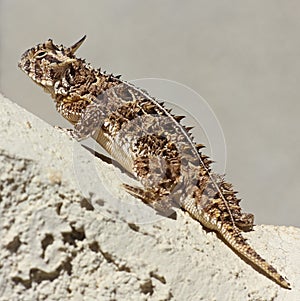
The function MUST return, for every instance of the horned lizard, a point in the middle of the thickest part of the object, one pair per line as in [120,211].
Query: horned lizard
[147,140]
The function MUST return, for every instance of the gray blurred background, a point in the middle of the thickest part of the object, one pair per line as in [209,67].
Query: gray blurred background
[243,57]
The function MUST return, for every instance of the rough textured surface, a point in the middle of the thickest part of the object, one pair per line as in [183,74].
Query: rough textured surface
[57,246]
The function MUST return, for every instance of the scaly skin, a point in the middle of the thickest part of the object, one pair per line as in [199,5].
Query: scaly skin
[147,140]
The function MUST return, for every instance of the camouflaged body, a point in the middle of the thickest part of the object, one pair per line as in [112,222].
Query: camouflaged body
[146,139]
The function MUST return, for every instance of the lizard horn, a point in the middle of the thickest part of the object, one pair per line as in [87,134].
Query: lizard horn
[74,47]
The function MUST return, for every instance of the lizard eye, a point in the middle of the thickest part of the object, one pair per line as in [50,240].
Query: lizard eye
[41,54]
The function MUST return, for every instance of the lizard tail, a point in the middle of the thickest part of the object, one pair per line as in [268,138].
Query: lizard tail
[235,240]
[233,237]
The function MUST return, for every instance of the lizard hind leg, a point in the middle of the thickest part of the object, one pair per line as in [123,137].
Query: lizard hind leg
[152,198]
[245,221]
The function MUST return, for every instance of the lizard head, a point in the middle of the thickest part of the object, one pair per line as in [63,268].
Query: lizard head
[48,63]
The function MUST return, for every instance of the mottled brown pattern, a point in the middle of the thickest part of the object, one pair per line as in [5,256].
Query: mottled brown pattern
[144,137]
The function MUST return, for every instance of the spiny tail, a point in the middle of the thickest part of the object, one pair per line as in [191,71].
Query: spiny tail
[235,240]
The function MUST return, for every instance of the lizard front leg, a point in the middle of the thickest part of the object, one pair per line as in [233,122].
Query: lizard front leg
[86,122]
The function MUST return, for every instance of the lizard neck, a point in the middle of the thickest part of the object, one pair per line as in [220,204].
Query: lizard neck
[77,87]
[82,80]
